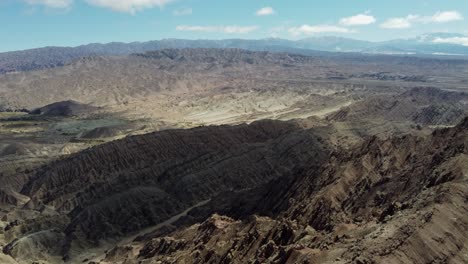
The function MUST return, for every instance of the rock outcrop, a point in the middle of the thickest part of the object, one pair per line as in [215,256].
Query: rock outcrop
[127,185]
[422,105]
[401,200]
[268,192]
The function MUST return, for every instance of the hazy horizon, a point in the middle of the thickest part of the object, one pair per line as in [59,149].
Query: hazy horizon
[223,39]
[69,23]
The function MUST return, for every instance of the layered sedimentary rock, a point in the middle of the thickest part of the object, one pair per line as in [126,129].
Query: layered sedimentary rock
[268,192]
[401,200]
[124,186]
[421,105]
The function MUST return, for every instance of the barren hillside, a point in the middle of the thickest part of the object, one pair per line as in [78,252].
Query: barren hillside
[234,156]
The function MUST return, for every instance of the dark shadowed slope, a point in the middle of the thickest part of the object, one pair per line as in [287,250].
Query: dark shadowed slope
[126,185]
[401,200]
[64,109]
[397,200]
[421,105]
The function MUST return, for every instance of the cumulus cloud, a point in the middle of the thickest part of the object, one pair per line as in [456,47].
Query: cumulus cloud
[128,6]
[223,29]
[399,22]
[446,16]
[455,40]
[410,20]
[183,12]
[266,11]
[308,30]
[358,20]
[51,3]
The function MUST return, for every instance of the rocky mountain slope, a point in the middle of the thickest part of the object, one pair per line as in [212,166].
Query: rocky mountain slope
[124,186]
[401,200]
[269,192]
[421,105]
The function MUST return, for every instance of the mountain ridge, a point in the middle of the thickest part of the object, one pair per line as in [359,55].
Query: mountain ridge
[54,56]
[382,201]
[366,205]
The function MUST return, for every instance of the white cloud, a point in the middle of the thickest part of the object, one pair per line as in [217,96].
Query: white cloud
[455,40]
[358,20]
[399,22]
[51,3]
[308,29]
[128,6]
[446,16]
[223,29]
[410,20]
[183,12]
[266,11]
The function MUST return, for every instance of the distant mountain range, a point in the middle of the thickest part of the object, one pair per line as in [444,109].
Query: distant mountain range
[48,57]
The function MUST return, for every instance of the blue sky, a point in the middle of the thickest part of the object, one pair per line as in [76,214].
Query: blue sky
[37,23]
